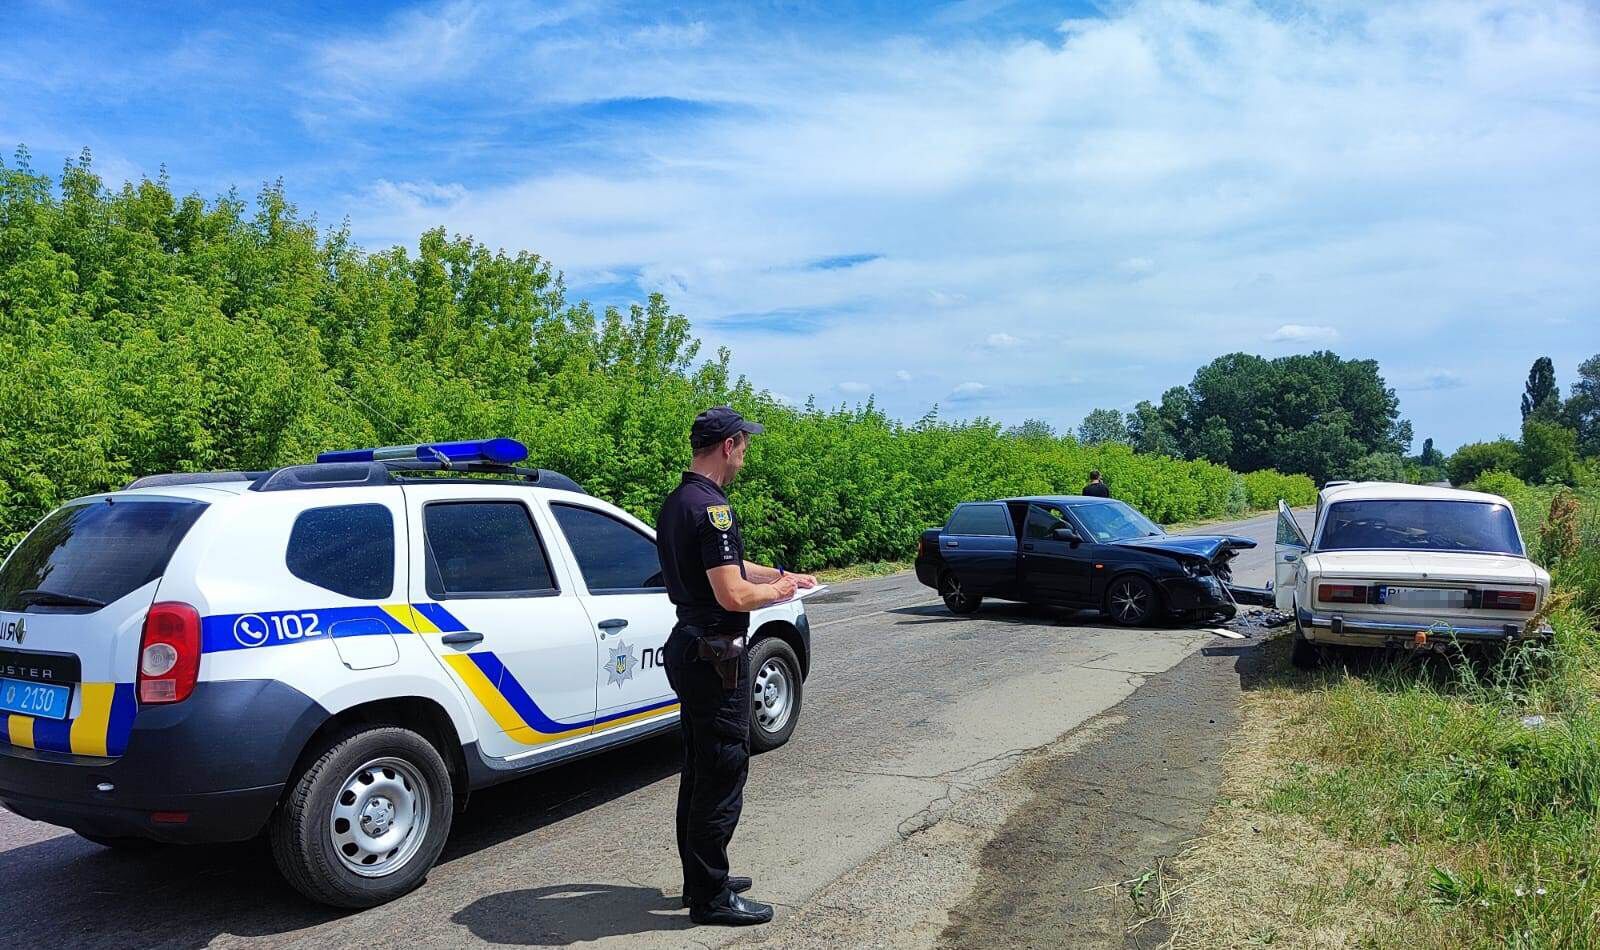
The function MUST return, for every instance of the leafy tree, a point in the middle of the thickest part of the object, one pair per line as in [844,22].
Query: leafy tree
[1540,396]
[1430,457]
[1476,458]
[1101,426]
[1032,429]
[1549,452]
[1378,467]
[1150,431]
[1582,410]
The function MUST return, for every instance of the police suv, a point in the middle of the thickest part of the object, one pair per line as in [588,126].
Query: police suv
[336,654]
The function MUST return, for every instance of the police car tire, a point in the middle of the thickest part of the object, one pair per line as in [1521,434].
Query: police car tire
[302,847]
[765,651]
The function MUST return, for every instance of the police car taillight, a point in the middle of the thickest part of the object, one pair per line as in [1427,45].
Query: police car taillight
[169,653]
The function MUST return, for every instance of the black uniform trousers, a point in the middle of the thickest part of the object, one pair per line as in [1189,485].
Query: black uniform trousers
[716,760]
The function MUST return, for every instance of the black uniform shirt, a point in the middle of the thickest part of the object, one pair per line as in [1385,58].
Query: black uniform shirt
[696,532]
[1097,490]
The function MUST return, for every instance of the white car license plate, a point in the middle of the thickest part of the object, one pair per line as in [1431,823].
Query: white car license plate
[1431,597]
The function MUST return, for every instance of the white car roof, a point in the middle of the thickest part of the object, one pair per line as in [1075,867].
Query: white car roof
[1395,491]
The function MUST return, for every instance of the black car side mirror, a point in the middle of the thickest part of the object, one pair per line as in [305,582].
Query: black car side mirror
[1065,534]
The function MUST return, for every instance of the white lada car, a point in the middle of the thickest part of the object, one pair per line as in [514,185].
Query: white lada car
[1406,566]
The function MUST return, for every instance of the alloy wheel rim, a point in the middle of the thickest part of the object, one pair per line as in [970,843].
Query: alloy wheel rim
[380,817]
[1128,600]
[952,588]
[772,695]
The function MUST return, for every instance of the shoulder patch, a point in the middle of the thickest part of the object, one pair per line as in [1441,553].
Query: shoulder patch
[721,516]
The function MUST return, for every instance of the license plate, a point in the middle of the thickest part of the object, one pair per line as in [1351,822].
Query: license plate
[43,700]
[1430,597]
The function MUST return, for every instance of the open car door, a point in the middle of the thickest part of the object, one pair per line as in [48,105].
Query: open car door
[1291,546]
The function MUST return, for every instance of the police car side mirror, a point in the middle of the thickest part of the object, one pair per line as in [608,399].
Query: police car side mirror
[1065,534]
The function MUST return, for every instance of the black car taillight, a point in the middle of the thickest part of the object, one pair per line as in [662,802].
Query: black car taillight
[1342,593]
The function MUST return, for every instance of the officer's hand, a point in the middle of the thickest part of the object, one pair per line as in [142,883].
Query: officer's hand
[784,587]
[804,581]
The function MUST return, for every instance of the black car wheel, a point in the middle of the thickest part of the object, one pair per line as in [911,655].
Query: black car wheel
[1131,601]
[957,599]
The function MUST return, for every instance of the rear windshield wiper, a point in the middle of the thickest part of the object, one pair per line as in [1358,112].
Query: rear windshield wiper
[54,598]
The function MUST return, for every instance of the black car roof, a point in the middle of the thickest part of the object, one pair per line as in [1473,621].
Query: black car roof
[1063,499]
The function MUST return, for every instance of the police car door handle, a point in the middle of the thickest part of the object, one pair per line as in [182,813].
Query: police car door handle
[616,623]
[462,638]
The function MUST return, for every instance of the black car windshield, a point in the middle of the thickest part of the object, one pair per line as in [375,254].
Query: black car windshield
[1115,521]
[1419,525]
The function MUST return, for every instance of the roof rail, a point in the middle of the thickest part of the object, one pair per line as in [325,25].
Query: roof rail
[190,478]
[323,475]
[543,477]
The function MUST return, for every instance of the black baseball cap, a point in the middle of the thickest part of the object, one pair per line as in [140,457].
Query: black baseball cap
[714,425]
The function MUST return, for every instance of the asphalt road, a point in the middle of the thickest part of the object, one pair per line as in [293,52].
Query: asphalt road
[908,709]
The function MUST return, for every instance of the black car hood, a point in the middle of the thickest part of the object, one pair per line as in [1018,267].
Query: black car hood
[1204,546]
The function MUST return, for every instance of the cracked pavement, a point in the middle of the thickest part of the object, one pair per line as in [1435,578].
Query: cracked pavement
[912,721]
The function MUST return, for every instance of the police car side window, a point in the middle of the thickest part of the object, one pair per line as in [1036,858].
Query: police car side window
[613,556]
[986,520]
[484,549]
[348,549]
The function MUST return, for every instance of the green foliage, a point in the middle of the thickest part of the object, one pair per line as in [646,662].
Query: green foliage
[1312,413]
[1549,451]
[1378,467]
[143,332]
[1101,426]
[1475,458]
[1582,409]
[1265,488]
[1541,398]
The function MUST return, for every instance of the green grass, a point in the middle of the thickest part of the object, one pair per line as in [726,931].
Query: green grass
[1501,818]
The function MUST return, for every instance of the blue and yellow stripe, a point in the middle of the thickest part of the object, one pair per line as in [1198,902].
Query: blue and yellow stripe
[102,726]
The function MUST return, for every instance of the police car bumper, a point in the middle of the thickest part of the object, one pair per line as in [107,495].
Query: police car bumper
[184,778]
[1195,593]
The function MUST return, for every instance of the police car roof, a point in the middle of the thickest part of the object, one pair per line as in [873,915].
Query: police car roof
[206,485]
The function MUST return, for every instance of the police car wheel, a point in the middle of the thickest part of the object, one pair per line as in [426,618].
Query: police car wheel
[365,821]
[775,693]
[955,598]
[1131,601]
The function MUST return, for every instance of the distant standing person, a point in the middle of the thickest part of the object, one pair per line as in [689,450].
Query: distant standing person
[714,589]
[1096,487]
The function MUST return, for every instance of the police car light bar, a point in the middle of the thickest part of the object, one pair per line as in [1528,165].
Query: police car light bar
[497,451]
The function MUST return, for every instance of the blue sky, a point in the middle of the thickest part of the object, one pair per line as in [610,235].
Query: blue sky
[1007,209]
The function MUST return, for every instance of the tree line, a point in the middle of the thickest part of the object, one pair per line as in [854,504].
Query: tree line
[146,331]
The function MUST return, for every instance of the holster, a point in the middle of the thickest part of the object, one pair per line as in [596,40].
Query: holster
[726,653]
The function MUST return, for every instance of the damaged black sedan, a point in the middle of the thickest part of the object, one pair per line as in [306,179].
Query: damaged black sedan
[1077,551]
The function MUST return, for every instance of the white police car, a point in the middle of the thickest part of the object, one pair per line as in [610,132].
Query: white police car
[335,655]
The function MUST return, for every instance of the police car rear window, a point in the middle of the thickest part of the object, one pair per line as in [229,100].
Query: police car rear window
[484,549]
[348,549]
[83,557]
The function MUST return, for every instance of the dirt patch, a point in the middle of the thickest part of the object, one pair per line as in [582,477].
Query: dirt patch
[1261,879]
[1081,862]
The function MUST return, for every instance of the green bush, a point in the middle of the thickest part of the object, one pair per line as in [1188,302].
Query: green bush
[142,332]
[1263,489]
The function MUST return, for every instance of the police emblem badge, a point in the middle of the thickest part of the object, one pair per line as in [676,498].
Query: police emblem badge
[721,517]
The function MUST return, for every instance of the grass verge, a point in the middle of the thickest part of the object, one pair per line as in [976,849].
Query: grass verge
[1424,804]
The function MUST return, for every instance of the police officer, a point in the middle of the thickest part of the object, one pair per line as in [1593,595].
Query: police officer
[714,589]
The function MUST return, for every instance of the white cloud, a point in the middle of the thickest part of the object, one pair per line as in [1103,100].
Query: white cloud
[903,376]
[969,390]
[1002,340]
[853,388]
[1300,333]
[1415,174]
